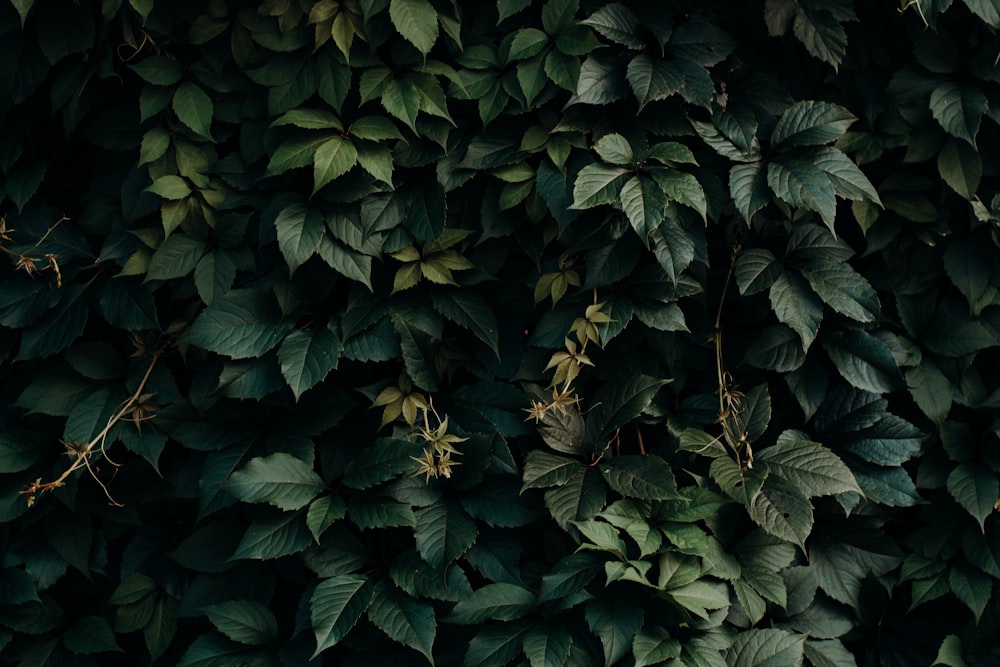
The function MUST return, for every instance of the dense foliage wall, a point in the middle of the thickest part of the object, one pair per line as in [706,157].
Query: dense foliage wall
[357,332]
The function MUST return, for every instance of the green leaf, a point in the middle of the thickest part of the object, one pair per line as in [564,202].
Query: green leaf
[972,587]
[307,356]
[374,128]
[23,7]
[244,621]
[797,305]
[802,184]
[240,324]
[756,270]
[766,646]
[16,587]
[828,653]
[959,108]
[542,469]
[443,533]
[644,204]
[614,148]
[653,80]
[643,477]
[889,442]
[616,22]
[495,645]
[976,488]
[170,187]
[683,188]
[777,348]
[19,450]
[621,400]
[822,34]
[930,389]
[194,108]
[346,261]
[379,462]
[376,159]
[162,626]
[863,360]
[615,620]
[176,257]
[89,635]
[471,311]
[701,596]
[333,158]
[742,484]
[960,167]
[547,645]
[410,622]
[970,265]
[323,512]
[274,537]
[748,188]
[279,479]
[214,651]
[654,646]
[848,181]
[580,498]
[597,184]
[158,70]
[24,182]
[335,606]
[811,123]
[950,652]
[310,119]
[293,154]
[498,602]
[843,289]
[783,510]
[813,468]
[417,22]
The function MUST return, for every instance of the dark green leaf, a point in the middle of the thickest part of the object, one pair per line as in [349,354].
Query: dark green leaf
[748,188]
[863,360]
[643,477]
[797,305]
[307,356]
[240,324]
[194,108]
[547,645]
[783,510]
[443,533]
[975,488]
[802,184]
[766,647]
[416,20]
[959,108]
[615,621]
[274,537]
[279,479]
[499,602]
[410,622]
[335,606]
[809,465]
[244,621]
[299,229]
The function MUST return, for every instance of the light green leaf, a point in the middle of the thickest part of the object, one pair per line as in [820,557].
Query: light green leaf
[959,107]
[170,187]
[402,100]
[498,602]
[797,305]
[615,620]
[976,488]
[748,188]
[244,621]
[194,108]
[811,123]
[813,468]
[597,184]
[335,606]
[307,356]
[240,324]
[279,479]
[766,646]
[614,148]
[333,159]
[802,184]
[416,21]
[410,622]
